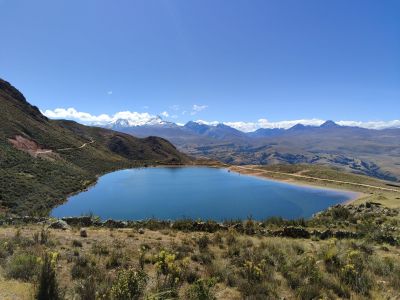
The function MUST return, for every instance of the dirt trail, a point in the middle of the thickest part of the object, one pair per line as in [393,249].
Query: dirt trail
[75,148]
[64,149]
[316,178]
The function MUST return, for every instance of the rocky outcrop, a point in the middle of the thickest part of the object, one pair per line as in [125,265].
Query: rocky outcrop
[59,224]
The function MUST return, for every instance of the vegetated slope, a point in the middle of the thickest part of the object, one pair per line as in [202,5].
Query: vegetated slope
[43,160]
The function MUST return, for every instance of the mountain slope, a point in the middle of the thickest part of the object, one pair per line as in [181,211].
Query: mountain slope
[359,150]
[42,160]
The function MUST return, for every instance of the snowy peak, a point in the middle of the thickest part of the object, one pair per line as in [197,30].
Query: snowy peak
[126,123]
[121,123]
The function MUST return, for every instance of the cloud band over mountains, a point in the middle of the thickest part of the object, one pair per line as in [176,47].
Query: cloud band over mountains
[138,119]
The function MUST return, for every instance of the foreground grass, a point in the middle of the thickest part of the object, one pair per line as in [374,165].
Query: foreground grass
[251,260]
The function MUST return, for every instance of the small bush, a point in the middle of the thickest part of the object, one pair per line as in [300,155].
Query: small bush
[202,289]
[339,213]
[115,260]
[44,236]
[203,242]
[6,248]
[76,243]
[359,281]
[41,237]
[47,286]
[230,238]
[82,268]
[168,273]
[100,249]
[129,284]
[23,267]
[217,239]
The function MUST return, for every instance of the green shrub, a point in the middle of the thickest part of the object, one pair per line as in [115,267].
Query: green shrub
[115,260]
[23,266]
[129,284]
[358,280]
[44,236]
[339,213]
[230,238]
[6,248]
[203,242]
[47,285]
[82,268]
[168,273]
[353,272]
[202,289]
[142,255]
[100,249]
[76,243]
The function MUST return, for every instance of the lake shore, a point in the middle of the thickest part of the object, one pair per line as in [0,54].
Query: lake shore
[357,194]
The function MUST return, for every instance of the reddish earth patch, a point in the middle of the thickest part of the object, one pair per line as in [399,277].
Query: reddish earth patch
[31,147]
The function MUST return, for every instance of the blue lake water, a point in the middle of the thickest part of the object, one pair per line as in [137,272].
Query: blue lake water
[197,193]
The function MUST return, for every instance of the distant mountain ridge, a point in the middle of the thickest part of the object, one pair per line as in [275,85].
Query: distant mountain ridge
[360,150]
[200,127]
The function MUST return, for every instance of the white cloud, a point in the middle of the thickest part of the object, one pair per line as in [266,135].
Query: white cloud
[109,92]
[264,123]
[165,114]
[210,123]
[372,124]
[197,108]
[134,118]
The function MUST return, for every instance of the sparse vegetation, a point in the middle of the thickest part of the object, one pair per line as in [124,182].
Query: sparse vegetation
[341,257]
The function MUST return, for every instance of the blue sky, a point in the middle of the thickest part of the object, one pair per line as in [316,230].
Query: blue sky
[235,60]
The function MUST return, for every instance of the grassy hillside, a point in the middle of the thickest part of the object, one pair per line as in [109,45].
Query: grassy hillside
[42,160]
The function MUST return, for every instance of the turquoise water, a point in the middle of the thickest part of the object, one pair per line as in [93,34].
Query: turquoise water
[196,192]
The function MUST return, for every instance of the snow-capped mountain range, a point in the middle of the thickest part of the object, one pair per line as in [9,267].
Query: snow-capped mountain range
[328,144]
[126,123]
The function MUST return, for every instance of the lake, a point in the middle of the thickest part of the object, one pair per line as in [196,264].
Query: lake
[197,193]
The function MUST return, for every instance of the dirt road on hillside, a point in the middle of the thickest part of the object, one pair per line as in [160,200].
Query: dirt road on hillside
[316,178]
